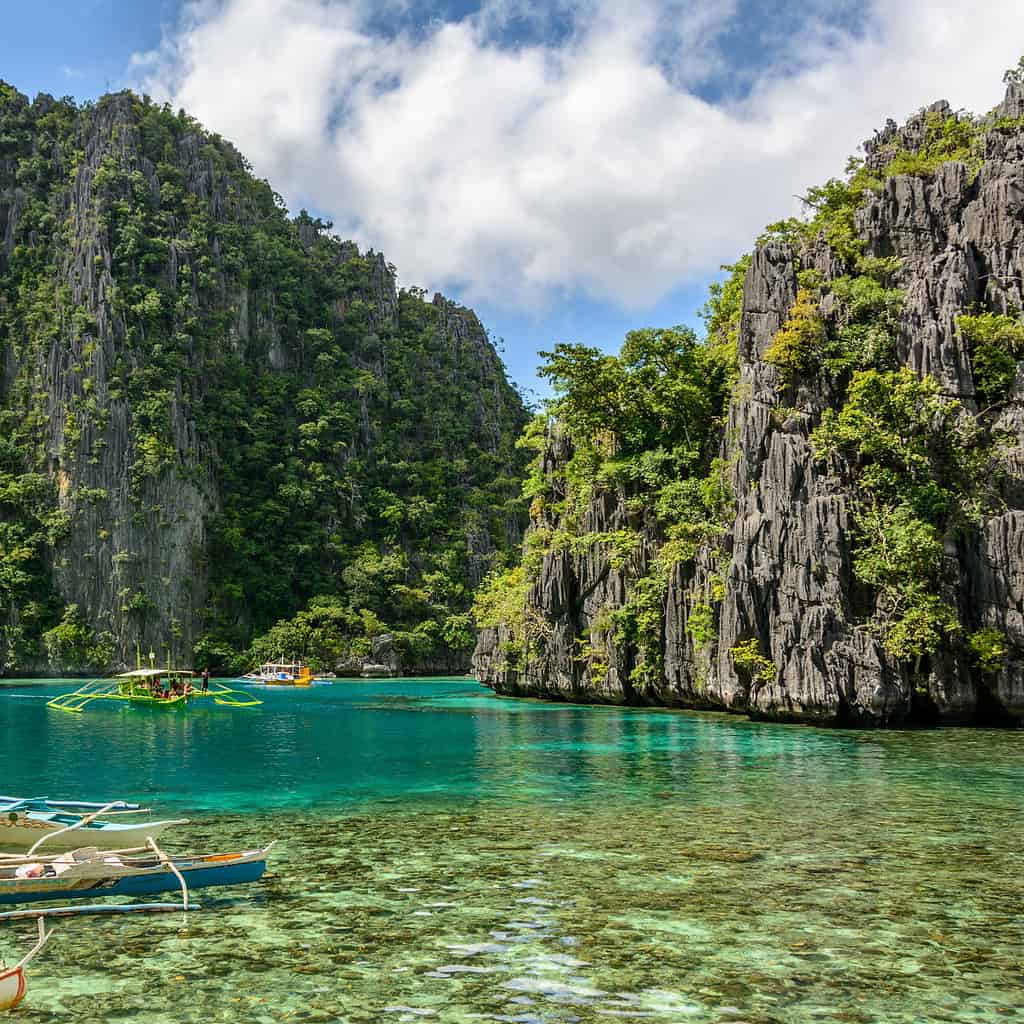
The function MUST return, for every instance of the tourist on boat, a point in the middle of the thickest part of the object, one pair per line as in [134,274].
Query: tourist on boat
[206,679]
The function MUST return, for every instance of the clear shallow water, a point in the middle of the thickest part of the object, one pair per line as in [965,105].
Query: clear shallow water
[447,855]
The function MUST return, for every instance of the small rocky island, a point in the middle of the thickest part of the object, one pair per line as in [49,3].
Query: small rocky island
[829,525]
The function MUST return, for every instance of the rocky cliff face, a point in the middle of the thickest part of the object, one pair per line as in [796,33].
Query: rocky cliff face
[209,409]
[790,629]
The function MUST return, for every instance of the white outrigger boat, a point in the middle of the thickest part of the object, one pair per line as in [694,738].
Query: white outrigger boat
[33,822]
[282,673]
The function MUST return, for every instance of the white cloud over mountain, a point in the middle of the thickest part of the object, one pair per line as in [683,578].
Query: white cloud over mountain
[592,162]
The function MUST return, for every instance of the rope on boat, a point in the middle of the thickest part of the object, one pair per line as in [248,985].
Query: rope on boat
[69,828]
[167,862]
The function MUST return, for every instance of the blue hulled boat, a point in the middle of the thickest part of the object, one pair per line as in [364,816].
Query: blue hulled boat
[90,873]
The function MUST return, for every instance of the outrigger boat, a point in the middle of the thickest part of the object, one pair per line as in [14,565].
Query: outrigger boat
[12,979]
[30,823]
[282,673]
[152,687]
[89,872]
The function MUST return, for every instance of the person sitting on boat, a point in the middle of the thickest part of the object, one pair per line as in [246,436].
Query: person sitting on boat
[167,688]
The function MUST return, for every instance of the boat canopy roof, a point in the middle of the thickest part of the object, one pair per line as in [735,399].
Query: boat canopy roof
[149,673]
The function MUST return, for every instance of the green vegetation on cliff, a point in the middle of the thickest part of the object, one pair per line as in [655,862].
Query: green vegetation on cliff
[642,425]
[225,418]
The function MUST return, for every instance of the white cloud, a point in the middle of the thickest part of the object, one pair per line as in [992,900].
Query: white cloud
[589,163]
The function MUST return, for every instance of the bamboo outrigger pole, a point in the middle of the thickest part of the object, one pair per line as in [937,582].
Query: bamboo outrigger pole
[97,908]
[70,828]
[164,859]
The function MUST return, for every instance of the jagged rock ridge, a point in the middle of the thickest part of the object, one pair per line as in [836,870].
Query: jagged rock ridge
[783,574]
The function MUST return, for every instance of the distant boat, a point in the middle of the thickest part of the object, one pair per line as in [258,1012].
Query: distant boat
[88,873]
[27,823]
[282,673]
[152,687]
[371,671]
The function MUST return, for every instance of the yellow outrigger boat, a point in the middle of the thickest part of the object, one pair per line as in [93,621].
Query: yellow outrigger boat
[152,687]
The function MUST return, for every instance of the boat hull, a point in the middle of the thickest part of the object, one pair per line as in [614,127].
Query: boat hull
[146,701]
[206,875]
[26,831]
[12,987]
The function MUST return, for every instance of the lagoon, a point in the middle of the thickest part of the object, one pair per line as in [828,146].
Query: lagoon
[447,855]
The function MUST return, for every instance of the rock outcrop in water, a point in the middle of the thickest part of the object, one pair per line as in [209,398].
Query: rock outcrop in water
[791,625]
[212,415]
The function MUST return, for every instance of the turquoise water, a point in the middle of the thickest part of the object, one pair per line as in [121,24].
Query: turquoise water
[447,855]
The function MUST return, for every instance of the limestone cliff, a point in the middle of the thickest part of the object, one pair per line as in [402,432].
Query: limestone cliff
[212,414]
[789,628]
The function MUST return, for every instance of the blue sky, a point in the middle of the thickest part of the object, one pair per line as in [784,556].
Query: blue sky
[79,48]
[571,169]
